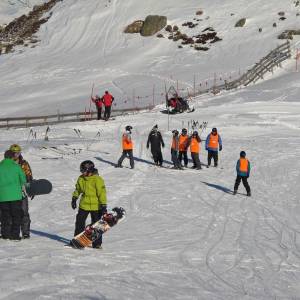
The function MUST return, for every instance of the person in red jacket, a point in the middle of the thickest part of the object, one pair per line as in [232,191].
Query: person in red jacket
[98,102]
[107,99]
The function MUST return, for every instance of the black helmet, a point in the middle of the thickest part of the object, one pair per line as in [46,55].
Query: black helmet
[195,133]
[175,131]
[214,129]
[184,130]
[128,128]
[87,166]
[243,154]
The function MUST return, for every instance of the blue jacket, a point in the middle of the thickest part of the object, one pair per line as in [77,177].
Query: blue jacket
[241,173]
[212,149]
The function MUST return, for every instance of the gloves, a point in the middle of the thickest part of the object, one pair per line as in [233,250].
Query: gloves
[102,210]
[220,148]
[73,203]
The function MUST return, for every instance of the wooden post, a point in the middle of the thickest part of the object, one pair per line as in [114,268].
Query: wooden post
[153,101]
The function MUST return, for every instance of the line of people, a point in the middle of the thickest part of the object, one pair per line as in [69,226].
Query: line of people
[107,100]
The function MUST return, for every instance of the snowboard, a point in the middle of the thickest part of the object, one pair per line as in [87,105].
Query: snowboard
[93,231]
[38,187]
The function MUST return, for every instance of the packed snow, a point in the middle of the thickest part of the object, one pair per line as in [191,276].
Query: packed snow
[185,235]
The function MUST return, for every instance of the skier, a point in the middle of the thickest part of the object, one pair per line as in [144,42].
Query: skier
[243,171]
[212,145]
[183,145]
[194,144]
[98,102]
[107,99]
[174,150]
[90,186]
[18,158]
[156,141]
[127,146]
[12,179]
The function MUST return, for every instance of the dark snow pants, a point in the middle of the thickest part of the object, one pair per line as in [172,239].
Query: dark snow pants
[107,112]
[183,154]
[174,157]
[80,222]
[245,183]
[196,160]
[125,153]
[99,112]
[157,156]
[25,223]
[11,216]
[214,155]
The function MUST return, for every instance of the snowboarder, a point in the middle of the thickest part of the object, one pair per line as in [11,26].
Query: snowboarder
[98,102]
[174,150]
[183,145]
[18,158]
[194,144]
[127,146]
[243,171]
[12,180]
[90,186]
[107,99]
[212,145]
[156,141]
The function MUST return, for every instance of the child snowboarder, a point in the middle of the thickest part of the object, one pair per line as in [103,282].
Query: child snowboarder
[90,186]
[243,172]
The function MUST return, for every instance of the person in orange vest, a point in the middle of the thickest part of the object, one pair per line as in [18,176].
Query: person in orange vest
[212,145]
[174,150]
[98,102]
[183,145]
[194,144]
[107,99]
[127,146]
[243,172]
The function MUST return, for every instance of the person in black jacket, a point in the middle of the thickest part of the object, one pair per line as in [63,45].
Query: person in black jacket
[156,141]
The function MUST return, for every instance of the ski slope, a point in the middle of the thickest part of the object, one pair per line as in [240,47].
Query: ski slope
[185,235]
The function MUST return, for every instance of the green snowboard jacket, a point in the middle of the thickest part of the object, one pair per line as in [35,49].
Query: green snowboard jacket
[12,179]
[92,191]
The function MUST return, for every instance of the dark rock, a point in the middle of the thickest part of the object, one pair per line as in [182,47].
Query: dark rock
[240,23]
[153,24]
[134,27]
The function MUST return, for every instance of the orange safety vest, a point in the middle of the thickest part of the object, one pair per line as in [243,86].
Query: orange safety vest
[174,143]
[213,141]
[194,146]
[183,142]
[126,143]
[244,165]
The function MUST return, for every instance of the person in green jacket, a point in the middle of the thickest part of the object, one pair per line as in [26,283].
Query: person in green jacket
[12,179]
[90,186]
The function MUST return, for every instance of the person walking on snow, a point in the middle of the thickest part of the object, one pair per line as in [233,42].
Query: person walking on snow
[98,102]
[12,180]
[243,172]
[127,146]
[183,146]
[174,150]
[107,99]
[212,145]
[18,158]
[156,141]
[90,187]
[194,144]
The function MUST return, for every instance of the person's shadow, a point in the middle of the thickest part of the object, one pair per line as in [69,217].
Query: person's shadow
[106,161]
[54,237]
[219,187]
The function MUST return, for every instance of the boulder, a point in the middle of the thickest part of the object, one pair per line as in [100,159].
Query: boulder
[153,24]
[134,27]
[240,23]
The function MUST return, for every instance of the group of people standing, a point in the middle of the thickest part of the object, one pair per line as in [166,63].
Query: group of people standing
[106,100]
[179,151]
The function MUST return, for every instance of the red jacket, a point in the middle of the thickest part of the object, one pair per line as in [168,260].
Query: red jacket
[107,99]
[97,101]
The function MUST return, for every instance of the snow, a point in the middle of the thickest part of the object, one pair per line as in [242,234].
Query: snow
[185,236]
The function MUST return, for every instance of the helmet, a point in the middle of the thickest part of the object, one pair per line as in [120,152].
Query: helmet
[184,131]
[128,128]
[243,154]
[106,92]
[87,166]
[195,133]
[97,97]
[15,148]
[175,131]
[214,129]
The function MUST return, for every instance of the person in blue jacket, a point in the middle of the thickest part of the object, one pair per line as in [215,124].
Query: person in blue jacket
[213,144]
[243,172]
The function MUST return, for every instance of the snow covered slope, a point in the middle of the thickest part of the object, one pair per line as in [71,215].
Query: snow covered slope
[83,43]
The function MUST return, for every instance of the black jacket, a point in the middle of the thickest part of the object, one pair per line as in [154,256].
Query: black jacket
[156,140]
